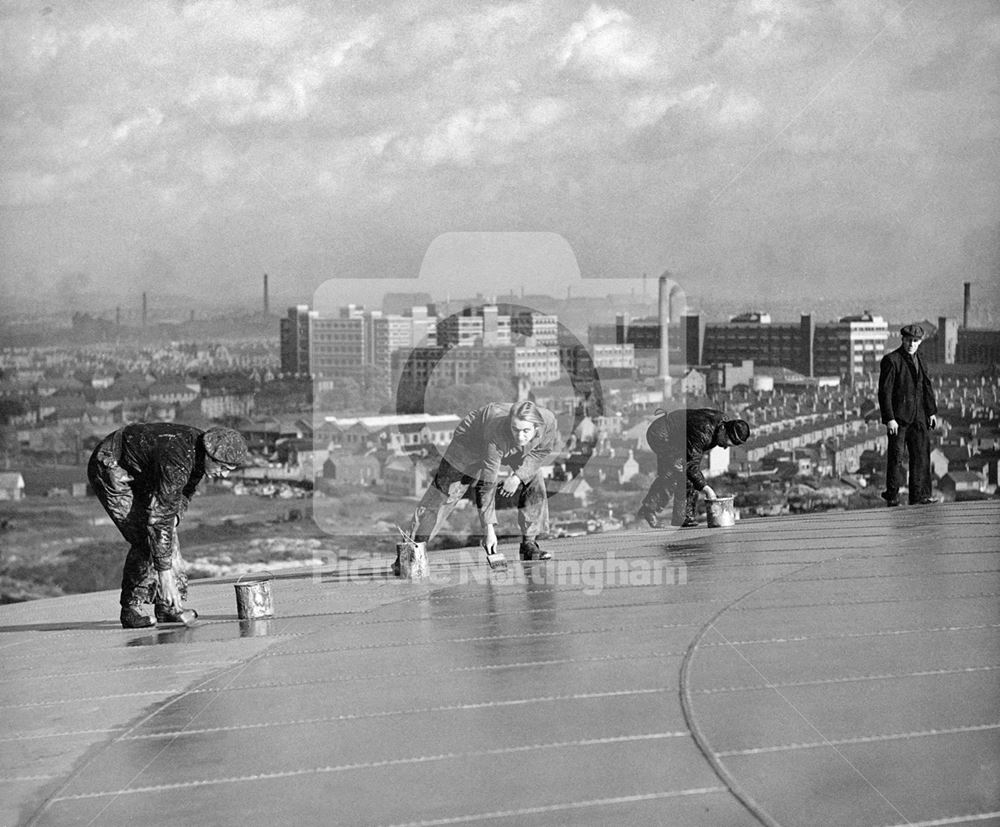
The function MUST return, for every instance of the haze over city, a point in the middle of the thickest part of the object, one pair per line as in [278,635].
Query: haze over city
[766,152]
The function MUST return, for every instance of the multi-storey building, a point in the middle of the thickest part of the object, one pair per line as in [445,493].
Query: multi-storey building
[483,324]
[612,361]
[351,342]
[540,365]
[755,337]
[542,327]
[851,347]
[341,345]
[977,346]
[294,333]
[848,348]
[439,365]
[442,365]
[952,344]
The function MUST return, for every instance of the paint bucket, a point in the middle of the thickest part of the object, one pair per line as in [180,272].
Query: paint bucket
[413,560]
[720,512]
[253,598]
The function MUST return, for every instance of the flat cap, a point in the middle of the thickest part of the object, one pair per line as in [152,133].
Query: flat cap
[912,331]
[738,430]
[226,445]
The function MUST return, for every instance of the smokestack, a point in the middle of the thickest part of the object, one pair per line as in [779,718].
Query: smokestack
[671,302]
[266,308]
[664,317]
[118,316]
[144,309]
[968,300]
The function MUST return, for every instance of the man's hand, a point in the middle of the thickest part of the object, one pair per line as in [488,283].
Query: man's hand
[490,539]
[708,492]
[510,485]
[892,426]
[169,593]
[934,422]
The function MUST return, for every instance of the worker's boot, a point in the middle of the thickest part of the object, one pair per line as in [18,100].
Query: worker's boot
[530,551]
[646,513]
[132,618]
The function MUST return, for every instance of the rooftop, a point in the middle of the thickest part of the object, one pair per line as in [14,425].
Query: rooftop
[832,669]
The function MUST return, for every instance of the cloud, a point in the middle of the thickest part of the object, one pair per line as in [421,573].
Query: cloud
[463,135]
[604,44]
[649,108]
[144,124]
[485,134]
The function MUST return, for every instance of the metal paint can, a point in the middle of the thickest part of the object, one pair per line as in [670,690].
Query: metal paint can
[413,560]
[720,512]
[253,598]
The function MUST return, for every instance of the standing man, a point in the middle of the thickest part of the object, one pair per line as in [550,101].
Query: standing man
[909,409]
[145,475]
[680,439]
[521,436]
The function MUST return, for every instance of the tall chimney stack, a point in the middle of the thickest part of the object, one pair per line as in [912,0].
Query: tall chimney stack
[266,307]
[672,302]
[144,309]
[664,316]
[967,302]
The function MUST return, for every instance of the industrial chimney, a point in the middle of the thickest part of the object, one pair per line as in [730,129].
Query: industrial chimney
[144,309]
[266,307]
[671,301]
[967,302]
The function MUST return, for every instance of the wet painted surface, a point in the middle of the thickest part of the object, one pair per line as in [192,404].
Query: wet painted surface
[838,669]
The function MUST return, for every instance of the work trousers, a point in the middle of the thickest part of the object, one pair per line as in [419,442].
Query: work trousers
[671,481]
[451,485]
[129,511]
[912,440]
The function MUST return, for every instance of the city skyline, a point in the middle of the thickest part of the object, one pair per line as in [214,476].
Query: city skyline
[767,151]
[173,310]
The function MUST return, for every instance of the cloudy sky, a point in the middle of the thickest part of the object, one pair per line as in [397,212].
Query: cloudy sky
[789,149]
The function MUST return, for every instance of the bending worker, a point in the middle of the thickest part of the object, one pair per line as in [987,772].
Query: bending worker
[521,436]
[680,439]
[145,475]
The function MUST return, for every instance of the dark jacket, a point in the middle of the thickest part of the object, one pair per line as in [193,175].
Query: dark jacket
[483,442]
[166,462]
[899,385]
[693,431]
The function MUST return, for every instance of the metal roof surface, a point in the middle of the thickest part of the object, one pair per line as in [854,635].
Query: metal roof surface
[835,669]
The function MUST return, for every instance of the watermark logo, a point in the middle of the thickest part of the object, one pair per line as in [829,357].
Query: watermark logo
[471,329]
[592,575]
